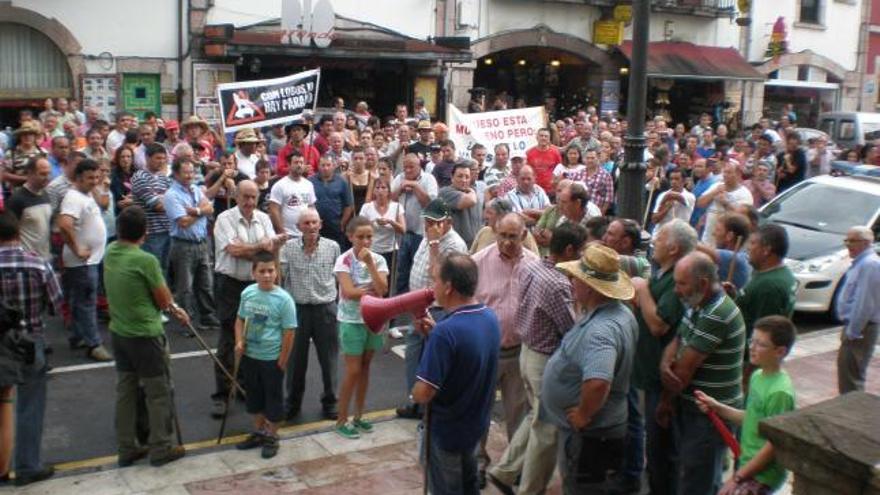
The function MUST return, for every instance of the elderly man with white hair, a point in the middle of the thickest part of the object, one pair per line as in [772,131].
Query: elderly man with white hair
[858,307]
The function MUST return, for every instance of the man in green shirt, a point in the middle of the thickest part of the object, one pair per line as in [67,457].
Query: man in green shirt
[772,290]
[658,311]
[136,292]
[706,355]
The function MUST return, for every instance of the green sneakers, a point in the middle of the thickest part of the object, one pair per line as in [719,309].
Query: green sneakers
[347,430]
[362,425]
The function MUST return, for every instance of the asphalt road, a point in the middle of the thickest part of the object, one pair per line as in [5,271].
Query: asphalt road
[81,398]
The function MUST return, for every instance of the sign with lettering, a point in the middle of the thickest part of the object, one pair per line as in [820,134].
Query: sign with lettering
[607,32]
[303,25]
[267,102]
[517,129]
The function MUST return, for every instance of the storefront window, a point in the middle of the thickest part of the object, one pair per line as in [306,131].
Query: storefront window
[810,12]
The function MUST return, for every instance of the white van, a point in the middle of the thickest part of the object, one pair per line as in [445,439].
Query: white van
[850,129]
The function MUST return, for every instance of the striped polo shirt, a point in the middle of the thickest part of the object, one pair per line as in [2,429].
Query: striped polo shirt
[716,329]
[147,189]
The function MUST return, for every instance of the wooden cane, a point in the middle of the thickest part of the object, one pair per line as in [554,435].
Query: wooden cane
[427,425]
[732,264]
[231,396]
[648,208]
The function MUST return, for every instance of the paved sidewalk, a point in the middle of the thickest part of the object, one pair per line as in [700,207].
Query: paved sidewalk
[384,462]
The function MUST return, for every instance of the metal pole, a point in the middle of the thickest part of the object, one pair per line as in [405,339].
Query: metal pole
[632,174]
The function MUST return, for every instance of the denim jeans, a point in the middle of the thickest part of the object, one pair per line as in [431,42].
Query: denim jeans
[449,473]
[702,450]
[635,437]
[30,407]
[662,452]
[409,244]
[587,464]
[193,279]
[159,244]
[81,292]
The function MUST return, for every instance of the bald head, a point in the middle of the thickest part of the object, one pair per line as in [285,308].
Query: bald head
[247,186]
[526,179]
[510,232]
[246,197]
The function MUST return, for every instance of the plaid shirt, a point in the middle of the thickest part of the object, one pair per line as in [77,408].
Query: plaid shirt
[309,278]
[546,309]
[27,282]
[420,274]
[601,188]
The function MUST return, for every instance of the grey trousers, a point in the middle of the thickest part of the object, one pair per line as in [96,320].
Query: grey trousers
[317,323]
[193,279]
[853,359]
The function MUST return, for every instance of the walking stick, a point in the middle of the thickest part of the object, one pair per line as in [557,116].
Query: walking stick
[732,264]
[231,396]
[427,425]
[648,208]
[174,417]
[214,358]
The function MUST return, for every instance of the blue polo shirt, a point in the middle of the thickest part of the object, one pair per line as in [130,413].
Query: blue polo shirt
[331,198]
[460,361]
[176,200]
[699,188]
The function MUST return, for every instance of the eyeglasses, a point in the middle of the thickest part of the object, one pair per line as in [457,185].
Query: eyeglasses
[854,241]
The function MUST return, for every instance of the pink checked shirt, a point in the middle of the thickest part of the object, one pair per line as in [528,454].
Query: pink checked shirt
[499,288]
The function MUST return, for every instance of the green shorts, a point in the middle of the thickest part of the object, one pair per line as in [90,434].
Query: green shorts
[356,338]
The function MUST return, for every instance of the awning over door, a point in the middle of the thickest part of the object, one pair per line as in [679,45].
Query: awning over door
[681,60]
[31,66]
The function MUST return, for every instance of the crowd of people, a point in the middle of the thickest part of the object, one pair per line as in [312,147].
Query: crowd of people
[610,341]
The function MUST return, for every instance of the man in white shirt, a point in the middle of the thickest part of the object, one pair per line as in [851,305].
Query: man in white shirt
[85,236]
[246,156]
[290,196]
[723,197]
[124,122]
[676,202]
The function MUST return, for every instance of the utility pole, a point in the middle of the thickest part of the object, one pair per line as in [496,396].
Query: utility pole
[632,174]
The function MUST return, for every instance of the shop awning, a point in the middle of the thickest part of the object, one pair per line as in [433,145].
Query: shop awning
[681,60]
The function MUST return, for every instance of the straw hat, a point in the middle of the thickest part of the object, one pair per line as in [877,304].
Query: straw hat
[247,136]
[599,268]
[29,127]
[194,120]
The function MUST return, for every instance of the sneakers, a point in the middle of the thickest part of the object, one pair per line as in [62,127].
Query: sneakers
[43,474]
[129,459]
[173,454]
[362,425]
[100,353]
[270,447]
[346,430]
[254,440]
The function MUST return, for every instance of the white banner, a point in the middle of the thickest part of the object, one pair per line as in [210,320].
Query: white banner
[517,129]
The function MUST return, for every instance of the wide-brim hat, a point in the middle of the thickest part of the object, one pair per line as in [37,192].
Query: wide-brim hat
[296,123]
[599,268]
[247,136]
[29,127]
[194,120]
[424,125]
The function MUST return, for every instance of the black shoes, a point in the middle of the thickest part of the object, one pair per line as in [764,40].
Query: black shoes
[218,408]
[502,487]
[129,459]
[173,454]
[40,475]
[409,411]
[329,411]
[624,485]
[270,447]
[254,440]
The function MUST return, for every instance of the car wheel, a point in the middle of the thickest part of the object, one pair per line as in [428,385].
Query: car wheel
[832,306]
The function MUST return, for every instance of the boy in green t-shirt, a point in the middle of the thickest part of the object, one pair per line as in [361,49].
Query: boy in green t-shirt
[263,340]
[770,393]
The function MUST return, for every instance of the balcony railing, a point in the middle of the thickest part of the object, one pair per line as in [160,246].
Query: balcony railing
[705,8]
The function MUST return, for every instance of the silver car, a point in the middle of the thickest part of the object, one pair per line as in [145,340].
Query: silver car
[816,214]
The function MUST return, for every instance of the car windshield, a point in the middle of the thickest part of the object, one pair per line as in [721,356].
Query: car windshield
[872,130]
[822,207]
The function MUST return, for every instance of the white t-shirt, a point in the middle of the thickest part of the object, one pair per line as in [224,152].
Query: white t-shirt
[114,140]
[293,197]
[247,164]
[384,237]
[740,195]
[576,173]
[88,227]
[349,310]
[678,210]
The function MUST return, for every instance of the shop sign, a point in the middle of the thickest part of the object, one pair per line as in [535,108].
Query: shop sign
[607,32]
[610,102]
[267,102]
[517,129]
[623,13]
[303,25]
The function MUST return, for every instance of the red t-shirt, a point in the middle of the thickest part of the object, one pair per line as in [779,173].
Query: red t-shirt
[544,162]
[309,153]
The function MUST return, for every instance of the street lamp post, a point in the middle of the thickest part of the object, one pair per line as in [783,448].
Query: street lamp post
[632,177]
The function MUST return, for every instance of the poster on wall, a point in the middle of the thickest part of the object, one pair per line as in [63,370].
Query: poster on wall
[517,129]
[267,102]
[206,77]
[101,92]
[610,102]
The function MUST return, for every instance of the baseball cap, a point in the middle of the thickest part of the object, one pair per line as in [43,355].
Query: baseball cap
[172,124]
[436,210]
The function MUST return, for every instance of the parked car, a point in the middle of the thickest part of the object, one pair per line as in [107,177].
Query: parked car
[817,214]
[850,129]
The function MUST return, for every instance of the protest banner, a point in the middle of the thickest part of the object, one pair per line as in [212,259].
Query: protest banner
[267,102]
[517,129]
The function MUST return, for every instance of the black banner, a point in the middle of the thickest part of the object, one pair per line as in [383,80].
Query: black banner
[267,102]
